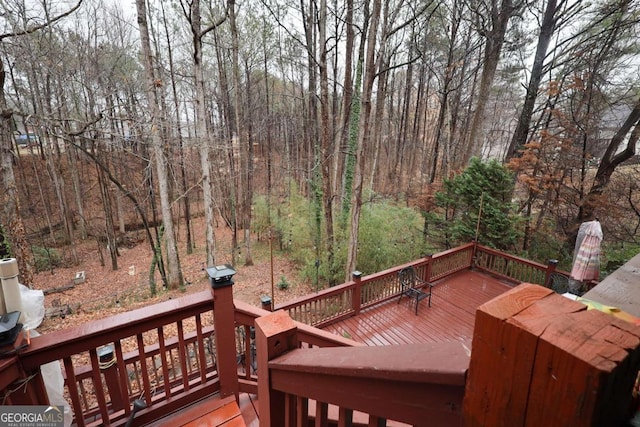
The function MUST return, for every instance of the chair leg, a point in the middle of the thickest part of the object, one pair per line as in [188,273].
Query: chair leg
[417,302]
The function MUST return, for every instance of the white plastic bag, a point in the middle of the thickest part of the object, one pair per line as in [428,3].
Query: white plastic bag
[54,383]
[32,307]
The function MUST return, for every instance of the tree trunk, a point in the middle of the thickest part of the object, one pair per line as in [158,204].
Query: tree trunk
[629,133]
[245,148]
[176,105]
[547,28]
[499,18]
[363,140]
[202,133]
[347,110]
[11,222]
[326,149]
[174,274]
[108,215]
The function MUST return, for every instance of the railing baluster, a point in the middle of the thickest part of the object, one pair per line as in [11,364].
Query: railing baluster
[122,373]
[166,381]
[302,411]
[183,354]
[322,414]
[376,421]
[144,370]
[200,341]
[72,387]
[98,388]
[247,351]
[290,411]
[345,417]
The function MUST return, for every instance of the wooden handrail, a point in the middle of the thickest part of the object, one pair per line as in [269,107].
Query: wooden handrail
[403,383]
[308,336]
[76,339]
[246,315]
[186,370]
[514,269]
[336,303]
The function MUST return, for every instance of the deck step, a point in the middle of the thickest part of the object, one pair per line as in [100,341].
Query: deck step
[209,412]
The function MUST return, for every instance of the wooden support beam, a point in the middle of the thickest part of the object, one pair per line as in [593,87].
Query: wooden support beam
[275,335]
[541,359]
[224,324]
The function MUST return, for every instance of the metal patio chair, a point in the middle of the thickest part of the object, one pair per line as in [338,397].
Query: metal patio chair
[413,286]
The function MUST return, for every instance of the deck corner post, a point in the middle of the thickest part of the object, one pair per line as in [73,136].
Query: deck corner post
[474,254]
[357,292]
[276,334]
[579,365]
[551,268]
[225,336]
[427,272]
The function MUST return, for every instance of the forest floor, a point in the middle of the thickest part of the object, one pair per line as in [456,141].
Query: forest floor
[106,292]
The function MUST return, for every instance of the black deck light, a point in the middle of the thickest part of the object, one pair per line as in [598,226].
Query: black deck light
[221,275]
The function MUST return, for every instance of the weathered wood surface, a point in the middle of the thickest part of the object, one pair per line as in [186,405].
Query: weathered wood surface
[450,317]
[541,359]
[420,384]
[209,412]
[621,288]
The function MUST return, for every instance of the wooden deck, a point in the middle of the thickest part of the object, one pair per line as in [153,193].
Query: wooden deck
[450,317]
[211,412]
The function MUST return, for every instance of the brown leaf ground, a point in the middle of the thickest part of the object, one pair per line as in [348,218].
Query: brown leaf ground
[106,291]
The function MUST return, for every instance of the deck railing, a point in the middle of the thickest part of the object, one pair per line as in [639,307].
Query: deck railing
[171,354]
[346,300]
[514,269]
[246,350]
[163,354]
[356,385]
[336,303]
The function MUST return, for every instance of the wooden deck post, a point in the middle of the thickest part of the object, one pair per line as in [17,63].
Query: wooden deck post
[427,273]
[224,324]
[540,359]
[276,334]
[357,291]
[551,268]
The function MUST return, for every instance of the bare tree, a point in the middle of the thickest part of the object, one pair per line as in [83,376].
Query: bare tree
[174,273]
[492,19]
[554,11]
[11,219]
[192,12]
[363,139]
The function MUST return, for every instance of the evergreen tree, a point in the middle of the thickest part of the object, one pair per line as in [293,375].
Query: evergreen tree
[482,191]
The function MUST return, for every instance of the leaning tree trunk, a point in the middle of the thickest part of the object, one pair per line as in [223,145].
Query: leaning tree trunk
[499,18]
[629,134]
[174,274]
[547,28]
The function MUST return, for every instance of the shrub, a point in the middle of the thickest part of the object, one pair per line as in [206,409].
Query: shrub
[390,234]
[45,258]
[283,285]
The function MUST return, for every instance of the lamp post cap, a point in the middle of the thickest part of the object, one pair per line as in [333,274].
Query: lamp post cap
[221,275]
